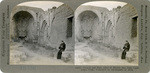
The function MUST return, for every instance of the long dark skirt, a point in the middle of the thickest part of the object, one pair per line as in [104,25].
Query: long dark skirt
[123,56]
[59,54]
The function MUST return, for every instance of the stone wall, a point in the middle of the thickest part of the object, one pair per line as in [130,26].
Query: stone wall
[23,19]
[91,23]
[91,19]
[125,27]
[56,27]
[47,28]
[112,27]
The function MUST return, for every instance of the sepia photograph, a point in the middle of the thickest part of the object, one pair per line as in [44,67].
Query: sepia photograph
[106,33]
[41,33]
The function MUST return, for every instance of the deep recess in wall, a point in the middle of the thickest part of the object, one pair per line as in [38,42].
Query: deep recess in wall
[134,27]
[22,19]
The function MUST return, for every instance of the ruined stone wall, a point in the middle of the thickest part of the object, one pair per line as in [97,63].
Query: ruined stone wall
[113,27]
[91,18]
[91,23]
[43,25]
[124,27]
[55,29]
[47,28]
[24,24]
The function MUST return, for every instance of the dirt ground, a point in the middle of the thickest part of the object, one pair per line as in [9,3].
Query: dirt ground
[98,54]
[32,54]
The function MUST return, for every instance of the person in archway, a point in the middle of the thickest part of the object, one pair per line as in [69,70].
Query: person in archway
[126,49]
[62,48]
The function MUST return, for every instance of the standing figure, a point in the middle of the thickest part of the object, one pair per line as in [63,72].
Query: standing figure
[62,48]
[126,49]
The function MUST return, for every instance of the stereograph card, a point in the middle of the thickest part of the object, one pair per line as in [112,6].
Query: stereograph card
[75,36]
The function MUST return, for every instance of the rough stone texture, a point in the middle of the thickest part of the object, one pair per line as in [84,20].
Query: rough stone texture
[124,27]
[93,15]
[109,27]
[47,28]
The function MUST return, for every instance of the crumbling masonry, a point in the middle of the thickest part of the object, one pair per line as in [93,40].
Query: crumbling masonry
[91,23]
[45,27]
[112,27]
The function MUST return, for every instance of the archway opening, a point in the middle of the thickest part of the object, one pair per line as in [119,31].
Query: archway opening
[109,32]
[43,31]
[21,21]
[87,20]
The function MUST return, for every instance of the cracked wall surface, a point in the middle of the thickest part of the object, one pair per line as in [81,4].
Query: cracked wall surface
[45,27]
[112,27]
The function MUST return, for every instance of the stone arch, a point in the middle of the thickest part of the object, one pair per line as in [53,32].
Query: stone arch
[19,26]
[97,34]
[19,9]
[108,28]
[109,32]
[87,21]
[43,32]
[78,11]
[51,23]
[44,24]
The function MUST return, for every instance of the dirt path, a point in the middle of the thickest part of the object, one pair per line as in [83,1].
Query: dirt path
[86,54]
[23,55]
